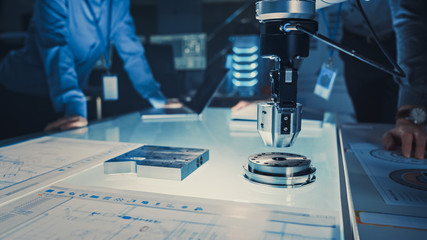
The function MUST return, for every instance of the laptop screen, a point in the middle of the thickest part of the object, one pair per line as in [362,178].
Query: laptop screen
[213,78]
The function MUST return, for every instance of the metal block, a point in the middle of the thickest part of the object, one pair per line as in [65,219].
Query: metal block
[172,163]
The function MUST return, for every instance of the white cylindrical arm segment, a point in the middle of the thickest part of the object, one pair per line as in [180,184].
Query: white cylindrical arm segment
[327,3]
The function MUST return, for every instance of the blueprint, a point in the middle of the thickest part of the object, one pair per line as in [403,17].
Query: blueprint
[399,180]
[67,212]
[33,164]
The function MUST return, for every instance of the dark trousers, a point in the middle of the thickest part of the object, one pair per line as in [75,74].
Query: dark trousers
[373,92]
[24,114]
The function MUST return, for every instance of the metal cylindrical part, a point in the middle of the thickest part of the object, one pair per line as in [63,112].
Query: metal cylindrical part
[279,9]
[279,169]
[286,182]
[279,163]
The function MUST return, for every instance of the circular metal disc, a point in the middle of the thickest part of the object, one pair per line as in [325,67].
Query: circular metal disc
[280,181]
[286,164]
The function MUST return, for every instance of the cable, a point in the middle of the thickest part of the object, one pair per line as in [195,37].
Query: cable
[348,51]
[374,35]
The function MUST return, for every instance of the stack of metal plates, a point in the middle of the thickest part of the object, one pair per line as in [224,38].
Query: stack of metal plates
[279,169]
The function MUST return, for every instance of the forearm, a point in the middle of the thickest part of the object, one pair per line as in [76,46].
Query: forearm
[132,53]
[410,23]
[51,20]
[415,95]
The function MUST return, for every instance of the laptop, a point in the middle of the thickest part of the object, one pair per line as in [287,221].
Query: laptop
[194,107]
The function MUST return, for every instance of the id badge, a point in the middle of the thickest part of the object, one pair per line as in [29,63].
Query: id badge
[110,87]
[325,81]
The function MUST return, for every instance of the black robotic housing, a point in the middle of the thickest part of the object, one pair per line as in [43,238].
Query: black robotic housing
[285,45]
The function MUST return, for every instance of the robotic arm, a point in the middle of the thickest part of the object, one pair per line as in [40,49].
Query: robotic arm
[279,121]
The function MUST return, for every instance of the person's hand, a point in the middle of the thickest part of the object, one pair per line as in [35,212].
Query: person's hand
[240,105]
[66,123]
[172,103]
[243,104]
[406,134]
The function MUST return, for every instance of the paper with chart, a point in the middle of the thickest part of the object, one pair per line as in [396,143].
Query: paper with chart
[66,212]
[33,164]
[399,180]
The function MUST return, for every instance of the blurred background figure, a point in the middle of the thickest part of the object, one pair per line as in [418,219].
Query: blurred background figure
[373,92]
[41,85]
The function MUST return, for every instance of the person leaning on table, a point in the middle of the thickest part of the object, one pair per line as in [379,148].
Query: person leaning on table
[410,24]
[41,84]
[373,92]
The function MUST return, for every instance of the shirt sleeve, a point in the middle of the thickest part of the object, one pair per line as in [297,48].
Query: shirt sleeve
[410,24]
[51,24]
[132,53]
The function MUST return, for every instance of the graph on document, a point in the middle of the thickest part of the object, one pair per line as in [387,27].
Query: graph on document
[64,212]
[400,180]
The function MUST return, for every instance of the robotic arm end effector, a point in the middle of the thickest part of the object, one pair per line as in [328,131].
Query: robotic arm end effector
[279,121]
[278,127]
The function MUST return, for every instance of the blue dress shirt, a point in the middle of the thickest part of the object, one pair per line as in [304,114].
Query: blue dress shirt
[63,46]
[410,24]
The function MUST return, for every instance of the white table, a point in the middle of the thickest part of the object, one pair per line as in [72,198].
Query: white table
[221,178]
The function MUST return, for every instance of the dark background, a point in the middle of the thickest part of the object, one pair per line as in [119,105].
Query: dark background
[151,17]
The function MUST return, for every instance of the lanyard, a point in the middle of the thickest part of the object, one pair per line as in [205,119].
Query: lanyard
[99,32]
[333,34]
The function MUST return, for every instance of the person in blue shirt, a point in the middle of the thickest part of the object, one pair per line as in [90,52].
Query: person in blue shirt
[410,24]
[65,39]
[374,94]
